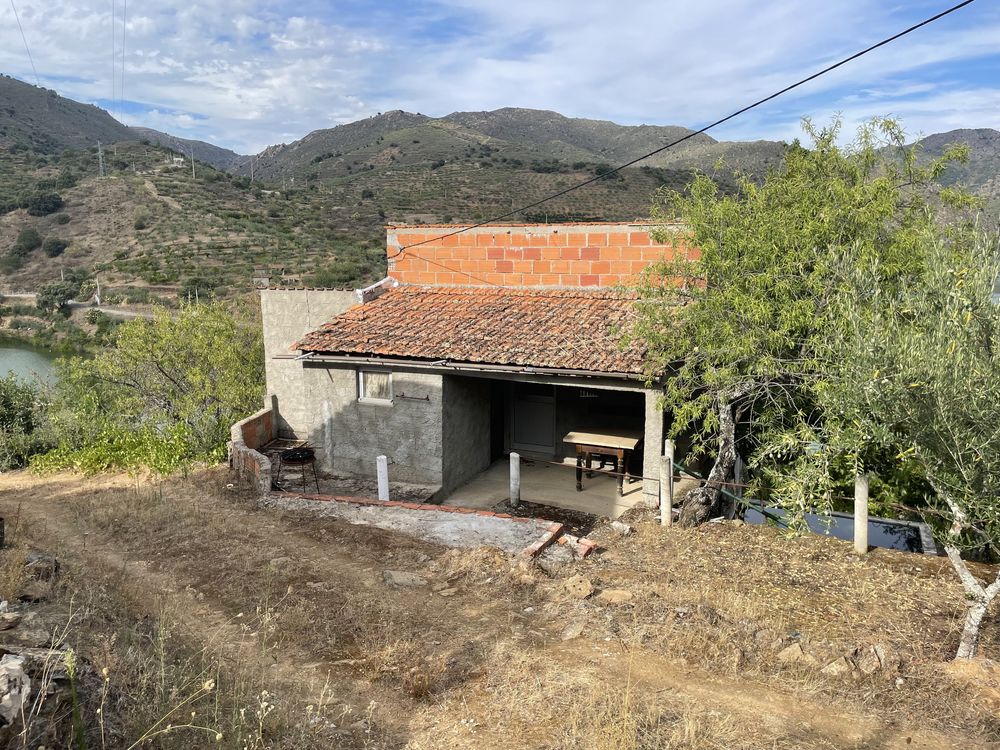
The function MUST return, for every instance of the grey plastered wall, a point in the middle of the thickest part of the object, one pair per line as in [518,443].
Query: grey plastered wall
[287,315]
[349,434]
[465,429]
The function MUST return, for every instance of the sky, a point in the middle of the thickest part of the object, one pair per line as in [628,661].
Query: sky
[245,74]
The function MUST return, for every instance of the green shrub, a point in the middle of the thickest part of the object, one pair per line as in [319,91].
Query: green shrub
[183,378]
[28,239]
[43,204]
[22,422]
[54,247]
[62,219]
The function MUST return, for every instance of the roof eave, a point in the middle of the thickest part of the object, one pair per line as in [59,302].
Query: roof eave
[449,365]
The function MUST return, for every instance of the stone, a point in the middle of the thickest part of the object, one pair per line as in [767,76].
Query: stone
[838,667]
[41,565]
[614,596]
[868,661]
[402,579]
[9,620]
[795,654]
[573,630]
[448,592]
[578,587]
[15,688]
[622,528]
[36,591]
[279,562]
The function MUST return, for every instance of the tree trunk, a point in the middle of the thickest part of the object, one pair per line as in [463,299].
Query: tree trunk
[700,504]
[979,597]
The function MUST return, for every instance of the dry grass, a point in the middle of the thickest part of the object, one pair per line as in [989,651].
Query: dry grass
[189,579]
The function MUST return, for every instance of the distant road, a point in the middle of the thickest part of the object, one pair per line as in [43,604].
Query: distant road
[114,312]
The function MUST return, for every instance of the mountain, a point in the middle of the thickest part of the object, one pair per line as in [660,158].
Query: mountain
[315,209]
[218,157]
[981,173]
[526,136]
[40,119]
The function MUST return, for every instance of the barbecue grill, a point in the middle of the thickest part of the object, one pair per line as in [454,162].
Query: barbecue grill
[298,458]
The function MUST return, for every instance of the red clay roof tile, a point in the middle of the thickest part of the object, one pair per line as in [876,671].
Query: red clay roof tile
[562,329]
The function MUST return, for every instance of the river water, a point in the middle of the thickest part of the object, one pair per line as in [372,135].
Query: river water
[25,361]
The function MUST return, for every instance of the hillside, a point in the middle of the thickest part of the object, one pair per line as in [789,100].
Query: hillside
[218,157]
[981,174]
[316,208]
[537,139]
[151,230]
[40,119]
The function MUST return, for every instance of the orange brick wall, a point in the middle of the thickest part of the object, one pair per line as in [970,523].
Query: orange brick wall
[537,255]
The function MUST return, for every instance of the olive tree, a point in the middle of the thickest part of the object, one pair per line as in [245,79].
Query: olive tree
[737,321]
[916,368]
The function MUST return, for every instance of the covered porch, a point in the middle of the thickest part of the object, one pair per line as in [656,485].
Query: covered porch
[546,482]
[550,423]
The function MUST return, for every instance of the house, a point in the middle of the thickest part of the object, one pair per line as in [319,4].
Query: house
[497,339]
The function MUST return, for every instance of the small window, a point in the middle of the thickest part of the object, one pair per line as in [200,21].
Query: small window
[375,386]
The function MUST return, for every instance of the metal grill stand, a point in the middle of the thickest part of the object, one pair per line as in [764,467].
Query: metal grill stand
[298,458]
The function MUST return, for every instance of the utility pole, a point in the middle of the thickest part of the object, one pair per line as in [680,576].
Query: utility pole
[100,158]
[252,160]
[192,161]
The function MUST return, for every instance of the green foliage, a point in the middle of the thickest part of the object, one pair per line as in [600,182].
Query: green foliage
[42,204]
[21,422]
[141,220]
[163,394]
[915,370]
[56,296]
[54,246]
[740,323]
[28,239]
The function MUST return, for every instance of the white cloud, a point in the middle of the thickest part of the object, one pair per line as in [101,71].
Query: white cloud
[261,71]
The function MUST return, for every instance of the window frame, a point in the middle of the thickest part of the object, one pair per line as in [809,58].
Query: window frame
[362,398]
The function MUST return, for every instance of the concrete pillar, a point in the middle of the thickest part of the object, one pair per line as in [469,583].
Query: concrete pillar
[382,474]
[667,484]
[652,440]
[861,514]
[515,479]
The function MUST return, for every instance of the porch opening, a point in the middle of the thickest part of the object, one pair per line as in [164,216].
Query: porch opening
[534,419]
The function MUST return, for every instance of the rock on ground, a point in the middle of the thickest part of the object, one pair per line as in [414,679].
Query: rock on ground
[402,579]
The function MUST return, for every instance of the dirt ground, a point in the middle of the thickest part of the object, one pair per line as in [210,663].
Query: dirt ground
[663,639]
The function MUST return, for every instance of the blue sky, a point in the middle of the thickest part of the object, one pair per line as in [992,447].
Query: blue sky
[245,74]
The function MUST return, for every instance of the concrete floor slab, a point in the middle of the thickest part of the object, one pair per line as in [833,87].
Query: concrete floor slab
[548,484]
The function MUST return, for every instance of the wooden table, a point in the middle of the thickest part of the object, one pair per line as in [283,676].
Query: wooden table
[618,444]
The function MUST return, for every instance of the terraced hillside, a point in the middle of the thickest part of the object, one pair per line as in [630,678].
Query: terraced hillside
[150,228]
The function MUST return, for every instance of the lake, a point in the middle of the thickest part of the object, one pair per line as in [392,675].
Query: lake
[25,361]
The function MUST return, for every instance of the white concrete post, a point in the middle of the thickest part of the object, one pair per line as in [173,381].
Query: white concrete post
[515,479]
[667,484]
[382,472]
[861,514]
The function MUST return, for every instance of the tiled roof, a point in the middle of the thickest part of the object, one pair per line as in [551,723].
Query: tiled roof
[562,329]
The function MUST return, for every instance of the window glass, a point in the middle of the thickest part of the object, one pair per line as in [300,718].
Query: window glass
[375,386]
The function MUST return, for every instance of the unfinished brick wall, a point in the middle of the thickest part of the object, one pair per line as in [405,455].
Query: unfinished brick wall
[246,437]
[529,255]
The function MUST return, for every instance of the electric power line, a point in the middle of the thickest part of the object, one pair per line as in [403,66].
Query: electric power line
[706,128]
[114,56]
[25,40]
[121,100]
